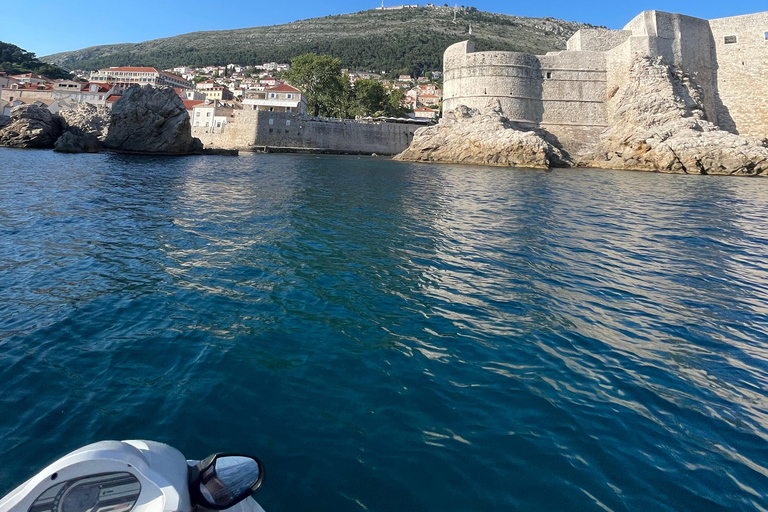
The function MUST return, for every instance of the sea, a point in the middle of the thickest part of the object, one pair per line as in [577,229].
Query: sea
[391,336]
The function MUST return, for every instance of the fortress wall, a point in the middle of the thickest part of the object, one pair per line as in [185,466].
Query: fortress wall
[644,24]
[740,72]
[573,98]
[238,133]
[290,130]
[573,89]
[596,39]
[686,42]
[473,79]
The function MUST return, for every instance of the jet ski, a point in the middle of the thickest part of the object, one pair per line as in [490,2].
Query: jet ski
[139,476]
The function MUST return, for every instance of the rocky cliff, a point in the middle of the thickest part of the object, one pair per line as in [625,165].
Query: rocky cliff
[151,120]
[86,128]
[31,126]
[658,124]
[472,136]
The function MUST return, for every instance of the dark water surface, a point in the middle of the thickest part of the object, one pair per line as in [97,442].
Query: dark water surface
[391,336]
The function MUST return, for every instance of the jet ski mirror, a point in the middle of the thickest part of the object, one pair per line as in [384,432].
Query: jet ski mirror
[223,480]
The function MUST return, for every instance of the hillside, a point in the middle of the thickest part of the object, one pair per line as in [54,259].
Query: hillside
[15,60]
[407,40]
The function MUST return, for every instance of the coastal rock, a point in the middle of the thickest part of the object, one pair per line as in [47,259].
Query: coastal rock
[77,142]
[86,127]
[31,126]
[658,124]
[87,118]
[151,120]
[471,136]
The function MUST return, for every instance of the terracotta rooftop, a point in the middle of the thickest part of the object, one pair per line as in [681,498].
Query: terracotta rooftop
[190,104]
[283,88]
[131,69]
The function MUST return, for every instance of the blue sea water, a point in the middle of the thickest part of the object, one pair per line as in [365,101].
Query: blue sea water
[391,336]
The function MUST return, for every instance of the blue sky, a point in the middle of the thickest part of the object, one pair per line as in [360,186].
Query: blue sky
[48,26]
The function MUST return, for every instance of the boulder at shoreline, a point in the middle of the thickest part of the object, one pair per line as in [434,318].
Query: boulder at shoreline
[659,125]
[86,127]
[472,136]
[151,120]
[31,126]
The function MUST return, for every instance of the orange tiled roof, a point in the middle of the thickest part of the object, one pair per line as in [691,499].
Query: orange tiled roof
[283,88]
[190,104]
[102,87]
[131,69]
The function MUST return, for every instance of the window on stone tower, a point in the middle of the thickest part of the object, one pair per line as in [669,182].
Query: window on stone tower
[729,40]
[766,36]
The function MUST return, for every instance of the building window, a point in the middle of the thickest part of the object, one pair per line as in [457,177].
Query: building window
[549,74]
[766,36]
[272,95]
[271,121]
[287,122]
[207,114]
[289,96]
[729,40]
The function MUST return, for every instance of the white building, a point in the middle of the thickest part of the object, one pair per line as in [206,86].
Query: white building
[282,98]
[126,76]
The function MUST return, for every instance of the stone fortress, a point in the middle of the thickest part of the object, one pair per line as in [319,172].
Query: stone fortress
[567,93]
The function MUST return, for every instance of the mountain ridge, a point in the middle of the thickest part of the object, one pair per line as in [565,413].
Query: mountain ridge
[405,40]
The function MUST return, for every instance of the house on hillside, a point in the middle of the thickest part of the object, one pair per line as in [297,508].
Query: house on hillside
[212,115]
[424,113]
[283,98]
[30,78]
[61,94]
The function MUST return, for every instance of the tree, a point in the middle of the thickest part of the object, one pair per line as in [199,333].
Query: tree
[394,105]
[14,60]
[370,97]
[319,78]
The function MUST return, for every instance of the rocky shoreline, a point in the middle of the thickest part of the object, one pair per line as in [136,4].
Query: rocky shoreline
[657,124]
[145,120]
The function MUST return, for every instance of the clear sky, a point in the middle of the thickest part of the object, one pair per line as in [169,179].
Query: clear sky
[51,26]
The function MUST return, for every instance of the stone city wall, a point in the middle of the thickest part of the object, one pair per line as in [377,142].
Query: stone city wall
[238,133]
[596,39]
[474,79]
[563,92]
[567,93]
[289,131]
[740,72]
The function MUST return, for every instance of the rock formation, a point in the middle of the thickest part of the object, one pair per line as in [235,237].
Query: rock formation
[471,136]
[151,120]
[658,124]
[86,127]
[31,126]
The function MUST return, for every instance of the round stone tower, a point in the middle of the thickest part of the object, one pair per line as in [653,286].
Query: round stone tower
[475,78]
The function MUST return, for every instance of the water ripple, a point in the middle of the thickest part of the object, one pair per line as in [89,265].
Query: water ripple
[391,335]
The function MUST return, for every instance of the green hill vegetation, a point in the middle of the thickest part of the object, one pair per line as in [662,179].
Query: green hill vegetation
[15,61]
[410,40]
